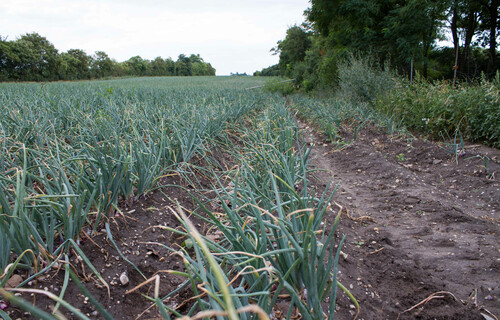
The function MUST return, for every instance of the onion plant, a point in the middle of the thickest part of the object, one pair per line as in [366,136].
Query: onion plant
[73,153]
[270,237]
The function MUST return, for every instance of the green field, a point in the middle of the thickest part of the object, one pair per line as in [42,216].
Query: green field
[74,153]
[73,149]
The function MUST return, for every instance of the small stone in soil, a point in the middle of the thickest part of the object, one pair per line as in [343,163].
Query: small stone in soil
[14,281]
[124,279]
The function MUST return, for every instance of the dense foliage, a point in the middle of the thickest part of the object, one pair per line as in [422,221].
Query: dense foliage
[403,34]
[33,58]
[439,110]
[385,55]
[442,111]
[271,71]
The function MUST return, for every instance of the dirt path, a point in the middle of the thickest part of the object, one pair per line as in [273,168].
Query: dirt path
[429,225]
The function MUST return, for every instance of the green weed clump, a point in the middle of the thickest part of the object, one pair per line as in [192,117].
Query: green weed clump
[334,116]
[362,80]
[376,94]
[278,85]
[472,110]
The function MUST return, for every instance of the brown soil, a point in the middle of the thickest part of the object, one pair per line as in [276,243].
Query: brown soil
[416,224]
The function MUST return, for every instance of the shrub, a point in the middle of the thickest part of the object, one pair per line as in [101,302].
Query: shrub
[363,80]
[278,85]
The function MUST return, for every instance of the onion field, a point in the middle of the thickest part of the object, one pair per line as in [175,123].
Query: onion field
[74,155]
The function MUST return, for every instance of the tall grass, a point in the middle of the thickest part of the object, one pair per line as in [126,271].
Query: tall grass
[363,80]
[436,108]
[368,92]
[335,117]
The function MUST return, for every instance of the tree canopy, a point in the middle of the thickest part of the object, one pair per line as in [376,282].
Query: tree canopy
[32,57]
[402,33]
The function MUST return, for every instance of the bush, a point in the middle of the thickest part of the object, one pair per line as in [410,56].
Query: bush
[363,80]
[278,85]
[272,71]
[434,108]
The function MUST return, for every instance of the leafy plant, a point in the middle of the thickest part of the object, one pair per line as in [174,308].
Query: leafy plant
[361,80]
[278,85]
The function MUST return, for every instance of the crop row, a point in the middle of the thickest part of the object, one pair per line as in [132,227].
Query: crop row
[272,234]
[70,152]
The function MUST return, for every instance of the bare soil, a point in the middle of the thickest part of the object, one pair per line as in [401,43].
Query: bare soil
[418,226]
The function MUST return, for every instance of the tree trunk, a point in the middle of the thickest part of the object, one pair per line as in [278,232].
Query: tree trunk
[471,27]
[493,9]
[456,43]
[426,48]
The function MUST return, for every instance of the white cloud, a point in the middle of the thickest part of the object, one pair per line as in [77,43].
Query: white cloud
[235,36]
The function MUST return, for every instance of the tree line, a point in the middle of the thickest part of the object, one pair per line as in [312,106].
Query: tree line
[403,34]
[32,57]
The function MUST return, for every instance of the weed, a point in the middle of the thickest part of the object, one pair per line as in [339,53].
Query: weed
[434,108]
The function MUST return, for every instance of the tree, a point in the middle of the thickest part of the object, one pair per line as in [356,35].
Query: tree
[9,60]
[193,58]
[292,49]
[74,65]
[183,66]
[210,70]
[84,63]
[488,30]
[101,65]
[465,21]
[121,69]
[356,25]
[68,67]
[33,58]
[170,65]
[271,71]
[414,28]
[138,66]
[199,69]
[159,67]
[404,31]
[37,58]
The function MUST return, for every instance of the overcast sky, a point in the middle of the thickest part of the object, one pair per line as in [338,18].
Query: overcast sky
[233,35]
